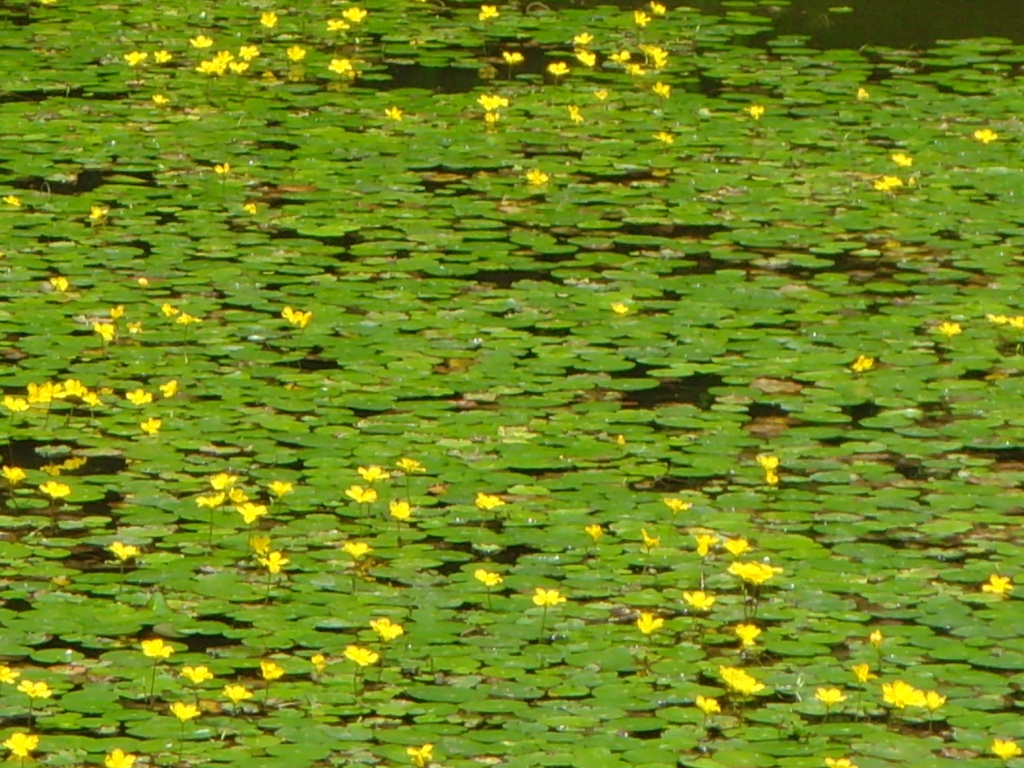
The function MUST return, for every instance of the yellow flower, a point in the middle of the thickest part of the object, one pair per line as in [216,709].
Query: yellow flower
[393,113]
[238,67]
[8,675]
[118,758]
[107,331]
[740,681]
[373,473]
[829,696]
[274,562]
[583,38]
[488,12]
[200,42]
[361,495]
[400,510]
[297,317]
[594,531]
[151,426]
[196,675]
[536,177]
[270,670]
[21,744]
[902,159]
[222,169]
[736,547]
[949,329]
[13,200]
[184,712]
[342,67]
[546,597]
[248,52]
[707,705]
[662,89]
[933,700]
[33,690]
[875,638]
[753,573]
[361,656]
[575,115]
[13,475]
[355,15]
[357,549]
[134,58]
[268,19]
[296,53]
[337,25]
[676,505]
[250,208]
[280,488]
[747,633]
[657,8]
[260,545]
[55,490]
[387,629]
[251,512]
[60,283]
[705,541]
[699,601]
[558,69]
[169,389]
[601,94]
[319,662]
[236,693]
[863,672]
[409,466]
[211,501]
[998,585]
[1004,750]
[665,138]
[123,552]
[156,649]
[491,101]
[139,397]
[620,308]
[421,756]
[755,111]
[839,762]
[586,58]
[650,542]
[222,480]
[656,56]
[901,695]
[862,364]
[488,501]
[985,135]
[487,578]
[162,57]
[769,464]
[862,94]
[168,310]
[888,183]
[15,404]
[641,19]
[648,623]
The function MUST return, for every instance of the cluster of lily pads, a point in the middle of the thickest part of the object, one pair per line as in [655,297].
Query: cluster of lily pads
[461,385]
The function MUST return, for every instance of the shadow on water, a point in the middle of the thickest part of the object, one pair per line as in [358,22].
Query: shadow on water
[913,24]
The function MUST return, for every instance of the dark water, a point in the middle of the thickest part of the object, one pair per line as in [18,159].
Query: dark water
[911,24]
